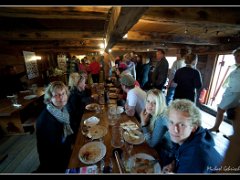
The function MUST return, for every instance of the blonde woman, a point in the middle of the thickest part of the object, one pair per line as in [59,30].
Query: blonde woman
[154,124]
[79,97]
[54,130]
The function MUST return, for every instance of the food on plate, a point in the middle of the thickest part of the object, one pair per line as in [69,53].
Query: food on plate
[129,125]
[92,107]
[90,154]
[133,138]
[142,165]
[134,134]
[96,132]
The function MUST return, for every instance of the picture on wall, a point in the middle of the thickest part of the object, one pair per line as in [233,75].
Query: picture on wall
[31,64]
[62,62]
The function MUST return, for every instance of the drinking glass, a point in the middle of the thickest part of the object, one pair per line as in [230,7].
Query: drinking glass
[127,160]
[14,99]
[117,138]
[112,116]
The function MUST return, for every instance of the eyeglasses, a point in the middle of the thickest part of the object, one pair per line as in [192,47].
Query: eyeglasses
[59,95]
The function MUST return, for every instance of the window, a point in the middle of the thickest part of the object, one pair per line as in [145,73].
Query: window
[224,66]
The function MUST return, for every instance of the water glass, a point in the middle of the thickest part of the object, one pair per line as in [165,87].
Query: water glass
[113,116]
[117,137]
[14,99]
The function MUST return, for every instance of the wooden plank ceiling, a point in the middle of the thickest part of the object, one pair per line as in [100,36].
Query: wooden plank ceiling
[81,29]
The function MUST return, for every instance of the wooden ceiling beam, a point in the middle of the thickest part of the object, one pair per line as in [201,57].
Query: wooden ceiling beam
[50,35]
[210,16]
[90,13]
[121,21]
[164,38]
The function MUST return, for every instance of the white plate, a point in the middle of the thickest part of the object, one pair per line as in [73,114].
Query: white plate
[30,96]
[25,91]
[92,152]
[92,106]
[138,139]
[17,105]
[96,132]
[91,121]
[145,168]
[120,109]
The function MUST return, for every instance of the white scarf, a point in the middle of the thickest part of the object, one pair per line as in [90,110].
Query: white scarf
[62,117]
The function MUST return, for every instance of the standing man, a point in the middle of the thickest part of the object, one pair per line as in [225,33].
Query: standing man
[231,95]
[161,70]
[179,63]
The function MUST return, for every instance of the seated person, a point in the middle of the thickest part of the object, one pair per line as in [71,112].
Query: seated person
[194,151]
[155,125]
[78,99]
[54,130]
[135,96]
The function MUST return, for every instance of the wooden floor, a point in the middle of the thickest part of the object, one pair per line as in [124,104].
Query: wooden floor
[221,143]
[23,157]
[21,154]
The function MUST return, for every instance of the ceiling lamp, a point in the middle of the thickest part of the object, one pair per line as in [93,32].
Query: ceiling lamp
[101,45]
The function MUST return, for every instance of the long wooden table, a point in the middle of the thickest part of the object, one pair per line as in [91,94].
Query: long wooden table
[81,140]
[12,118]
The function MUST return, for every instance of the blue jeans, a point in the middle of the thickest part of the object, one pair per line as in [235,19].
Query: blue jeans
[170,95]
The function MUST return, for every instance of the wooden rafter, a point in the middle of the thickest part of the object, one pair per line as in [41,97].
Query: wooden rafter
[121,20]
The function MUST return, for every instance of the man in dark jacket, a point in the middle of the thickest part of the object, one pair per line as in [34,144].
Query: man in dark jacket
[160,71]
[195,152]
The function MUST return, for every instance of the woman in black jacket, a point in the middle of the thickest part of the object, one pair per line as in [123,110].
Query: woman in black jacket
[79,97]
[54,131]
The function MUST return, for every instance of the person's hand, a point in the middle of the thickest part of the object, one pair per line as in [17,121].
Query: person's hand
[145,117]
